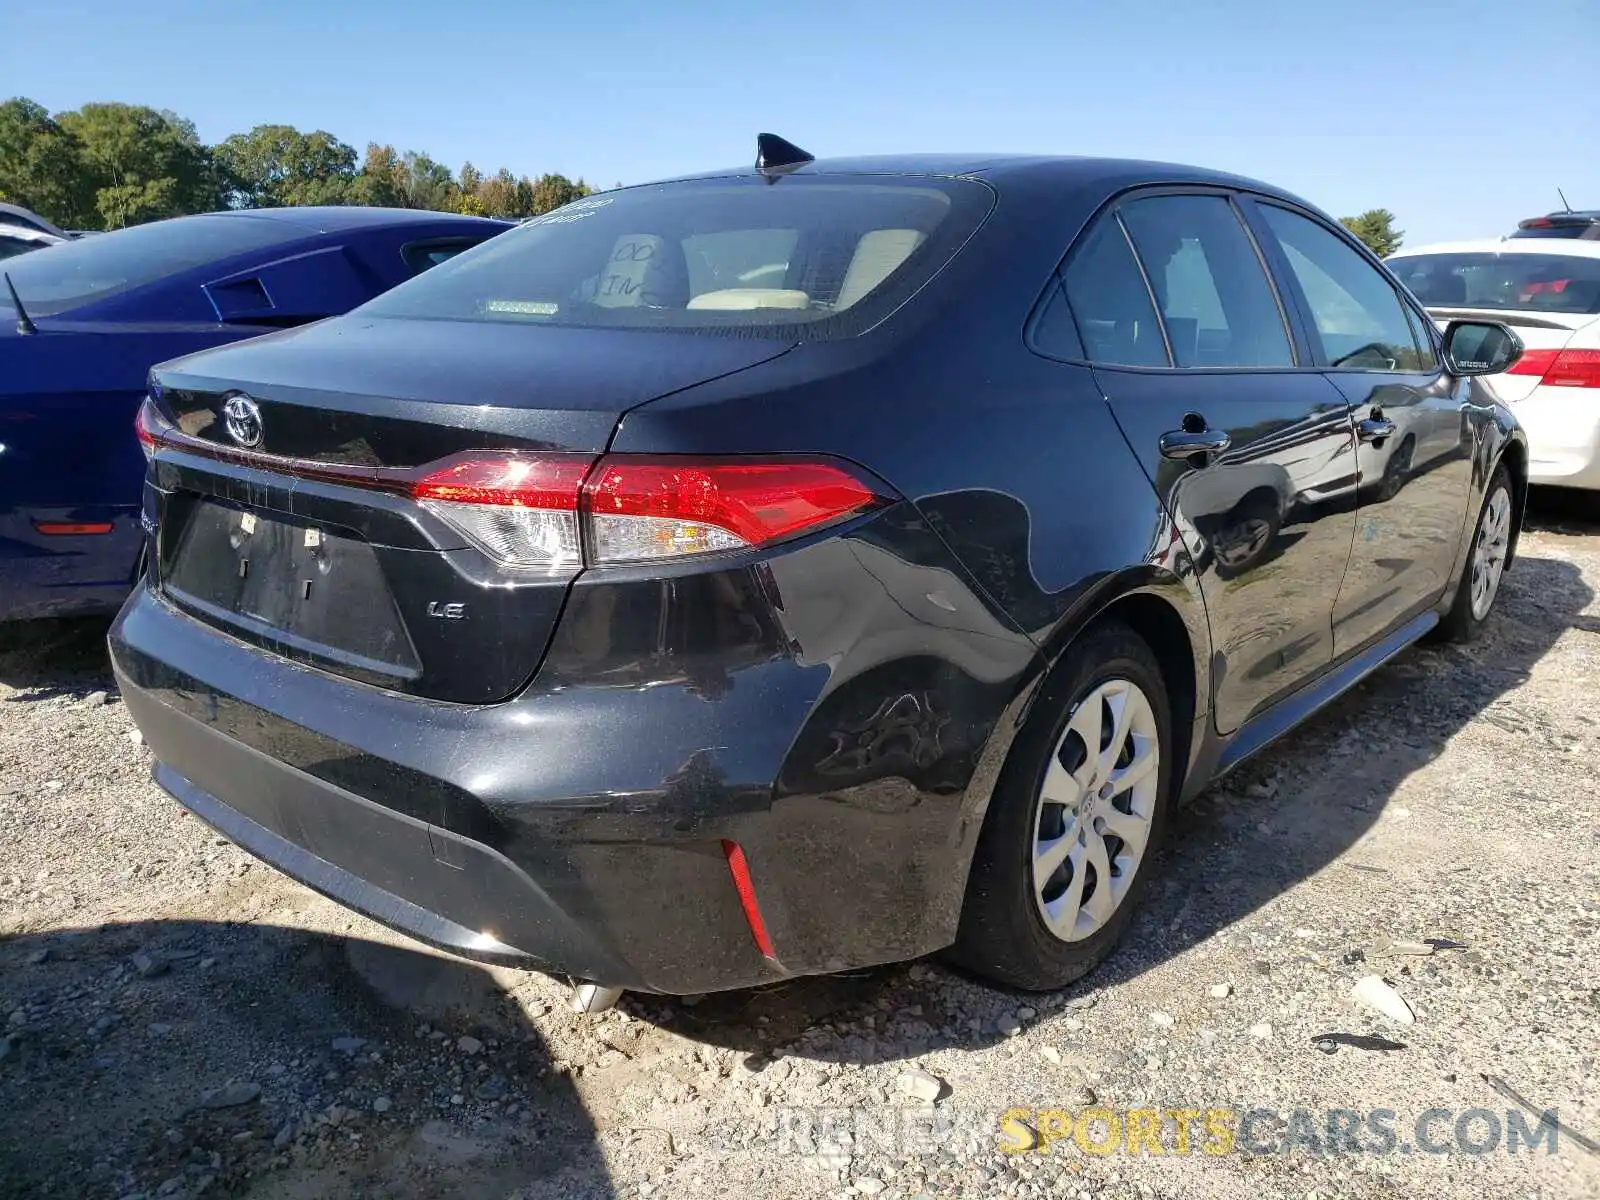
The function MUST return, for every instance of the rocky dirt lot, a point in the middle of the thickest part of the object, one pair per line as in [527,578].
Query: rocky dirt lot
[177,1020]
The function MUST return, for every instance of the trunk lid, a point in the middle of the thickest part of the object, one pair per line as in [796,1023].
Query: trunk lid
[397,392]
[291,526]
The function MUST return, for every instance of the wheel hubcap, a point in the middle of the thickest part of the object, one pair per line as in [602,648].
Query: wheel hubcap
[1489,552]
[1094,810]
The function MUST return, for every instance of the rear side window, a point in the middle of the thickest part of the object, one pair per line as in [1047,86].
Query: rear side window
[12,246]
[87,269]
[1054,334]
[1110,302]
[809,256]
[1558,283]
[1215,299]
[419,256]
[1355,309]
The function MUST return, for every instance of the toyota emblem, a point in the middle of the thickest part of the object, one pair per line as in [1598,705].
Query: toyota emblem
[243,419]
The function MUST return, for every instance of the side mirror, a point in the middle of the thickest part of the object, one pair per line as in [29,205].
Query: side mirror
[1480,347]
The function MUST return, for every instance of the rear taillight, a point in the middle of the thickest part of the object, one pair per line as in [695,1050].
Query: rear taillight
[1561,368]
[147,427]
[1574,368]
[521,510]
[640,509]
[554,511]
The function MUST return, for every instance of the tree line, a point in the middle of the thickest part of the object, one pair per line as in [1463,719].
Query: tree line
[106,166]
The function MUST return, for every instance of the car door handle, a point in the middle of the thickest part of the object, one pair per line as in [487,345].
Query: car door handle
[1375,429]
[1186,443]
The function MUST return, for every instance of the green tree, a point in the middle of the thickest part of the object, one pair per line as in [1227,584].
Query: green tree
[376,182]
[110,165]
[523,199]
[424,183]
[276,166]
[550,192]
[1376,228]
[41,166]
[409,180]
[142,164]
[498,193]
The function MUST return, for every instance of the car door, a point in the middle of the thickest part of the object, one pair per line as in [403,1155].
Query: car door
[1414,446]
[1203,370]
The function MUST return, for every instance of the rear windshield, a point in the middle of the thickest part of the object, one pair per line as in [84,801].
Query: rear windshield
[1575,232]
[1527,282]
[810,256]
[72,274]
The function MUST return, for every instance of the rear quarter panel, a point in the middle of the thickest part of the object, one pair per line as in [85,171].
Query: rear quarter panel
[1029,493]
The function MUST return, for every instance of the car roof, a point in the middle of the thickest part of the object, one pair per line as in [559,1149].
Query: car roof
[331,218]
[1572,248]
[1069,170]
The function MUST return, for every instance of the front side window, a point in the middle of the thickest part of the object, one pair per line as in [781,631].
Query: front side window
[1554,283]
[1216,302]
[1423,339]
[811,256]
[1110,302]
[1356,312]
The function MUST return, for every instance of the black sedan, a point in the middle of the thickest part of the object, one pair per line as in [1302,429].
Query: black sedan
[806,566]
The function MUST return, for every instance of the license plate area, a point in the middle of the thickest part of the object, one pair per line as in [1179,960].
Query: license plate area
[305,590]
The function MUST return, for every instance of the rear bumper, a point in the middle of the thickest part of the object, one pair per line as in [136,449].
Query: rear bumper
[363,855]
[1563,428]
[542,885]
[580,827]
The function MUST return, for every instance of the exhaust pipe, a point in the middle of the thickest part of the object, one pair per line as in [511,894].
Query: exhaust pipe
[593,998]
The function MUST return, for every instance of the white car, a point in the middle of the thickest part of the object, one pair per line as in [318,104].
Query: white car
[1548,290]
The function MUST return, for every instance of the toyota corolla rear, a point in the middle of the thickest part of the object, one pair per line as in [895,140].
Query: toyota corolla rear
[413,633]
[1549,292]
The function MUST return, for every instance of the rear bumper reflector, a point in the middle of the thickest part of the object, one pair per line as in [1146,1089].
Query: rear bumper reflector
[71,528]
[740,870]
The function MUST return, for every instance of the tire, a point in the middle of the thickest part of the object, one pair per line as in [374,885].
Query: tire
[1397,469]
[1491,542]
[1250,529]
[1003,933]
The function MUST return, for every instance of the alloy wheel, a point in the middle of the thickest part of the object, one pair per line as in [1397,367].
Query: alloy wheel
[1094,809]
[1489,552]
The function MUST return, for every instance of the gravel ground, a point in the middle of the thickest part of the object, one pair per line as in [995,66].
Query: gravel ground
[177,1020]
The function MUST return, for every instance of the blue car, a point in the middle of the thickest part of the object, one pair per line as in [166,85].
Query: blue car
[82,323]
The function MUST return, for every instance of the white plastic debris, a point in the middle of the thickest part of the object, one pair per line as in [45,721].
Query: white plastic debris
[1372,991]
